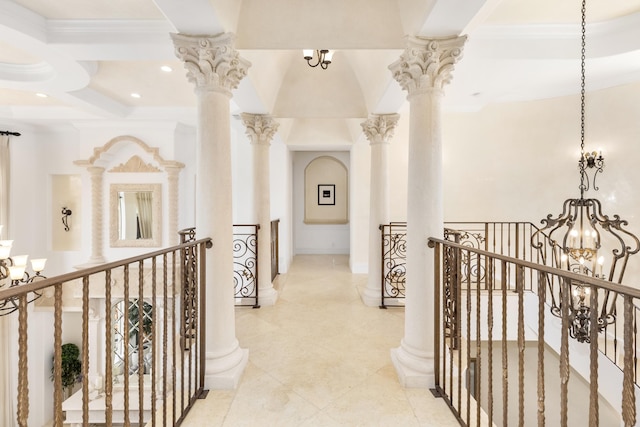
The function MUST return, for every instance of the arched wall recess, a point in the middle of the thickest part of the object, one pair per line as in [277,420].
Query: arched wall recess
[326,191]
[124,155]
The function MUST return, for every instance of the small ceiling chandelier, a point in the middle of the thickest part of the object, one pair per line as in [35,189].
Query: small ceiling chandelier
[581,235]
[323,57]
[13,273]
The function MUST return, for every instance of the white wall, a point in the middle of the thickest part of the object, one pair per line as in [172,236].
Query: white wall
[518,161]
[316,238]
[35,156]
[280,169]
[360,185]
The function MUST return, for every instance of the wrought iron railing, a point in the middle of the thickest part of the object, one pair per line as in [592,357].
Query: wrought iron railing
[506,238]
[394,242]
[512,239]
[147,364]
[245,261]
[275,248]
[245,264]
[507,338]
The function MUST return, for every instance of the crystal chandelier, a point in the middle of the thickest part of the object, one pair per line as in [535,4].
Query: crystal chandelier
[323,57]
[582,235]
[13,273]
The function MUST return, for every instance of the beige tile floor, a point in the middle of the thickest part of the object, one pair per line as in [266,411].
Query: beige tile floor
[320,357]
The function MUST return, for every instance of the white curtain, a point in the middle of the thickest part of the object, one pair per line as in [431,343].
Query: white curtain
[7,390]
[144,199]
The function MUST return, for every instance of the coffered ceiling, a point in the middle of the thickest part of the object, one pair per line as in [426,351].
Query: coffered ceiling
[88,57]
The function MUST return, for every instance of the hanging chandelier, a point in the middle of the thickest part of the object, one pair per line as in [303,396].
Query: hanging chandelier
[582,236]
[323,57]
[13,273]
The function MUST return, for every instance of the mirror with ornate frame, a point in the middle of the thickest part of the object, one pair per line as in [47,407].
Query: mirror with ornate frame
[136,215]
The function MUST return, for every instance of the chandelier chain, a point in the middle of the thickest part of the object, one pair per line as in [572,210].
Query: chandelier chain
[582,89]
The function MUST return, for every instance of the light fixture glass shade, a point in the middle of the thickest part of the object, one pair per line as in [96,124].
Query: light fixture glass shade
[20,260]
[16,272]
[307,53]
[328,56]
[38,264]
[5,250]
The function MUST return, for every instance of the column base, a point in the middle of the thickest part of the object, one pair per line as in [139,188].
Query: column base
[415,369]
[224,373]
[371,297]
[268,296]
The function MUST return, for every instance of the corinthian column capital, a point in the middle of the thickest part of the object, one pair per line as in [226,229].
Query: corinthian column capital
[260,127]
[211,62]
[427,63]
[379,128]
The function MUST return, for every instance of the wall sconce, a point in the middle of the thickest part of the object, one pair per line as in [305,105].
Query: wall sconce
[66,213]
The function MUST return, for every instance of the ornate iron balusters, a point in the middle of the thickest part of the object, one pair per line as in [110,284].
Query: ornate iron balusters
[394,241]
[245,264]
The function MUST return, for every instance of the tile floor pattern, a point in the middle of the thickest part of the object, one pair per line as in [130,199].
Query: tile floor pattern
[320,357]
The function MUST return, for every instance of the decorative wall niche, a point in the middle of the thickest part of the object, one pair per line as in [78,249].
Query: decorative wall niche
[326,192]
[133,169]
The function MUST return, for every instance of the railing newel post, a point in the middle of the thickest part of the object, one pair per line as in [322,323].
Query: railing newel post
[437,307]
[108,380]
[203,315]
[57,356]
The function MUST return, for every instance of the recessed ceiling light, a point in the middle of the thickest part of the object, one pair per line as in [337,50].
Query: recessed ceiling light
[42,95]
[135,95]
[166,69]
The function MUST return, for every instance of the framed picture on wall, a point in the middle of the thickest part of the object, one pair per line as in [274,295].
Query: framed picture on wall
[326,194]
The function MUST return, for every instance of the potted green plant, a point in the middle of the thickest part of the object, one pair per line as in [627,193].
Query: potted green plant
[71,367]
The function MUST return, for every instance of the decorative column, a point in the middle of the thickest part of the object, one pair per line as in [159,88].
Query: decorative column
[261,129]
[216,68]
[424,68]
[379,129]
[172,190]
[97,234]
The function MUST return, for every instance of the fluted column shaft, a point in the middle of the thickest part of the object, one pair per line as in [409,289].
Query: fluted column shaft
[261,129]
[423,70]
[97,237]
[172,190]
[379,129]
[216,68]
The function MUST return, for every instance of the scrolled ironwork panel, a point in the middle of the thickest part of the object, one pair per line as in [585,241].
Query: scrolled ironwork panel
[394,256]
[450,292]
[473,237]
[245,264]
[189,286]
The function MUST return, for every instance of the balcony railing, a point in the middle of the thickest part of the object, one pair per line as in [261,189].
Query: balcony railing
[143,360]
[245,264]
[245,261]
[507,238]
[394,253]
[511,361]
